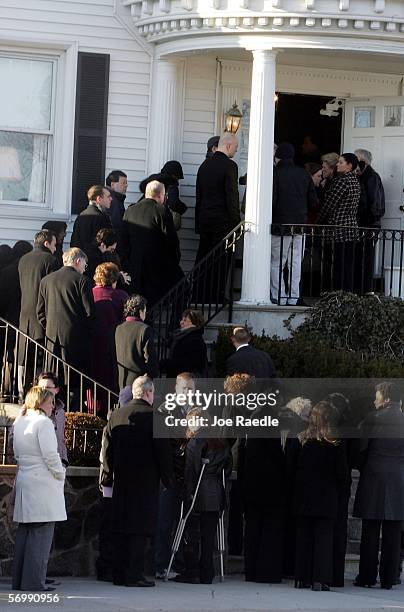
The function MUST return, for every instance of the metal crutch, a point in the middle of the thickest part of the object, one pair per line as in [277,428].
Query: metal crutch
[183,519]
[221,540]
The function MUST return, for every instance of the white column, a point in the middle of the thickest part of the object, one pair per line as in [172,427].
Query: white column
[166,113]
[257,242]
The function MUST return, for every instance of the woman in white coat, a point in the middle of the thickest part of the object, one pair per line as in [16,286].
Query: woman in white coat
[39,495]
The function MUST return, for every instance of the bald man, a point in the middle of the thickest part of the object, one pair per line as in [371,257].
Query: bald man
[217,209]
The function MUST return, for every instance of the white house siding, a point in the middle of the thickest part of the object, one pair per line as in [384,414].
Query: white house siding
[95,28]
[199,126]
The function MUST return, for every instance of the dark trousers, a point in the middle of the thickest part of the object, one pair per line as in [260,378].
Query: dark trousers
[211,280]
[364,265]
[105,541]
[128,557]
[200,535]
[236,520]
[369,551]
[344,265]
[31,554]
[263,547]
[340,539]
[169,510]
[314,550]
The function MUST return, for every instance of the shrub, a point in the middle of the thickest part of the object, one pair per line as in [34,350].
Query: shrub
[83,434]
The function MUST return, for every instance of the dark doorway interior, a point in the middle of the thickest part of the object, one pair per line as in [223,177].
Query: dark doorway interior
[298,116]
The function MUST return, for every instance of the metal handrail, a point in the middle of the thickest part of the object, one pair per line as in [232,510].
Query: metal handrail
[17,384]
[209,286]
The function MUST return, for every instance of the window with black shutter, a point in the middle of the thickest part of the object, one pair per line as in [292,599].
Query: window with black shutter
[90,126]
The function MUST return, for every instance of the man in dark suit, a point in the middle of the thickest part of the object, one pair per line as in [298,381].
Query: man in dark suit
[217,208]
[65,310]
[247,359]
[31,270]
[117,183]
[150,250]
[93,218]
[134,344]
[134,462]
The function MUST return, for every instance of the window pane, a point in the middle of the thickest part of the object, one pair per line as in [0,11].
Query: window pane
[23,166]
[393,116]
[26,102]
[364,116]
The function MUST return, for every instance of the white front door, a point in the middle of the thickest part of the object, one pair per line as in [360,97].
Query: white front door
[377,124]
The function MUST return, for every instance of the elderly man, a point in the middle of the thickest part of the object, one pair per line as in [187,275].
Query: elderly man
[93,218]
[133,462]
[65,310]
[370,212]
[150,245]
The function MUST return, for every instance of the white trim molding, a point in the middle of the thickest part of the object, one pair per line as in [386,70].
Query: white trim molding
[157,21]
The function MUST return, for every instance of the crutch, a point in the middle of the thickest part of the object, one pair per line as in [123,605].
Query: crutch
[221,540]
[183,519]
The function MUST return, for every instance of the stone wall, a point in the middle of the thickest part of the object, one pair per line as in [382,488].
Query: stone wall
[75,544]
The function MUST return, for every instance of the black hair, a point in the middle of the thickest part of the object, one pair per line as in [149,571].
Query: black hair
[106,236]
[113,177]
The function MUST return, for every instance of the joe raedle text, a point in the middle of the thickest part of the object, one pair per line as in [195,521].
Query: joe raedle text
[215,421]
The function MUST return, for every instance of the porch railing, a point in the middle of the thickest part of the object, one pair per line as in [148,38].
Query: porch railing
[208,287]
[23,358]
[308,260]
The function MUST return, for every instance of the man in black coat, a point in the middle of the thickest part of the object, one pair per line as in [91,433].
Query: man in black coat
[135,352]
[293,196]
[117,182]
[217,207]
[134,462]
[370,212]
[150,245]
[93,218]
[66,311]
[247,359]
[31,270]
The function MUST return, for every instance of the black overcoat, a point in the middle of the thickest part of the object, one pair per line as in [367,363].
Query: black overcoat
[135,352]
[252,361]
[321,471]
[188,353]
[134,462]
[32,268]
[293,194]
[380,492]
[87,224]
[217,206]
[66,310]
[149,246]
[211,493]
[10,293]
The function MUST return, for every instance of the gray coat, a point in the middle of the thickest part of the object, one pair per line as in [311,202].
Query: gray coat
[380,493]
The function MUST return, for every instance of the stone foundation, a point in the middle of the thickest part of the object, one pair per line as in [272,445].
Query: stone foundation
[75,545]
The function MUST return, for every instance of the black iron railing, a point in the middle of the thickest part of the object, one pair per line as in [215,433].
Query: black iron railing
[208,287]
[23,358]
[308,260]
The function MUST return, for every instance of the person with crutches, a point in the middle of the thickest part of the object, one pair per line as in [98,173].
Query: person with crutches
[205,461]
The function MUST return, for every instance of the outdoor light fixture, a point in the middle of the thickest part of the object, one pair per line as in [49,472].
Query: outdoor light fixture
[233,119]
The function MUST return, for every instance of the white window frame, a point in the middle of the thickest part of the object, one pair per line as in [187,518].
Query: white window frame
[60,157]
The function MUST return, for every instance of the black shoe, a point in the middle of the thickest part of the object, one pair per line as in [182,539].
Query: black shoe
[104,578]
[357,582]
[185,579]
[52,581]
[300,584]
[387,587]
[141,583]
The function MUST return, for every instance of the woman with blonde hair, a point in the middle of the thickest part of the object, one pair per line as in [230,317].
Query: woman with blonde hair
[39,496]
[321,468]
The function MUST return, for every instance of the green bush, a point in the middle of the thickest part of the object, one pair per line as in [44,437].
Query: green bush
[344,336]
[83,448]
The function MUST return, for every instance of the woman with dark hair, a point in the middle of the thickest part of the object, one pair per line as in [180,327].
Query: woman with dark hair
[321,468]
[49,382]
[200,530]
[188,351]
[109,303]
[379,500]
[39,496]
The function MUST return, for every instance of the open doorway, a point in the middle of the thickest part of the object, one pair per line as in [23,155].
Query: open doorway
[298,117]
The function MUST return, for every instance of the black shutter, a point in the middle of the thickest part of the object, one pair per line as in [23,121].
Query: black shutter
[90,132]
